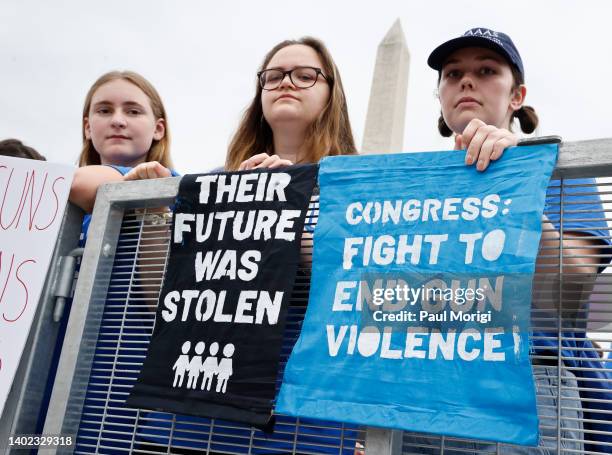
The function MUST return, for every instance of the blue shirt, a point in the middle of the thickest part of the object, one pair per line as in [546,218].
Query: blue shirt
[583,213]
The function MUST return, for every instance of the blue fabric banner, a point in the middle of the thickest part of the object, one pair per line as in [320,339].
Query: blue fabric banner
[419,308]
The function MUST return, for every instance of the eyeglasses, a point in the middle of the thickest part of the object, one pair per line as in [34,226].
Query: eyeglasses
[300,76]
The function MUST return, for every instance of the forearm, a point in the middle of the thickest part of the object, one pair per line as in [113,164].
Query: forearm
[565,269]
[85,184]
[574,254]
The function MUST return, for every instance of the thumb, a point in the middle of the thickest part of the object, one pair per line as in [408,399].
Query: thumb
[162,171]
[458,140]
[131,175]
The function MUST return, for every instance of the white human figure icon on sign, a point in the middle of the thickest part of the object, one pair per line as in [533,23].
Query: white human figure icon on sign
[195,365]
[210,367]
[181,365]
[225,367]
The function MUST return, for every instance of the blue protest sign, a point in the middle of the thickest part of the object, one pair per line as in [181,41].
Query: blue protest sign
[418,317]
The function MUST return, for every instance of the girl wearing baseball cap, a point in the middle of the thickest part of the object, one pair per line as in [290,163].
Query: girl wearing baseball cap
[481,88]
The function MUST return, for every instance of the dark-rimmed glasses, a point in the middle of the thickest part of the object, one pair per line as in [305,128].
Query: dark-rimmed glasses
[300,76]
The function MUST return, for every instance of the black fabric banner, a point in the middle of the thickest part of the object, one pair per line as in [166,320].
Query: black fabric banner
[235,248]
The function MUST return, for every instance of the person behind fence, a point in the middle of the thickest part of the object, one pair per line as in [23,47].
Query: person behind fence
[126,137]
[481,89]
[298,115]
[17,149]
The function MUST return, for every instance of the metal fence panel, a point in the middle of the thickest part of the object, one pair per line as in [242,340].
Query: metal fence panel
[113,317]
[116,330]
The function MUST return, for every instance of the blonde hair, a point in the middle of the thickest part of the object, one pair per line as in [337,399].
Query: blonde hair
[329,134]
[160,150]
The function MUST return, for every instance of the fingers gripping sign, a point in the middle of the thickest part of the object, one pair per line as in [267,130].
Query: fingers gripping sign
[483,143]
[273,162]
[263,160]
[148,170]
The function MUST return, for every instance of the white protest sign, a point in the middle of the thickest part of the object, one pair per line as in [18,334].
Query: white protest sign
[33,197]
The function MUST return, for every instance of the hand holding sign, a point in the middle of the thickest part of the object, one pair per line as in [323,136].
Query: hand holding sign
[483,143]
[263,161]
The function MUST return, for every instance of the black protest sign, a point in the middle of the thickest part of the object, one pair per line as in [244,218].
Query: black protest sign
[234,252]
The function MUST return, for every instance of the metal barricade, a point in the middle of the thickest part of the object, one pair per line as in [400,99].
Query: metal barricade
[113,314]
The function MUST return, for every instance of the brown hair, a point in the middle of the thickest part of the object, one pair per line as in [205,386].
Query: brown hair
[526,115]
[329,134]
[160,150]
[17,149]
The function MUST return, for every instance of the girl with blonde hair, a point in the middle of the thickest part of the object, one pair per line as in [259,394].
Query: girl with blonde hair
[125,135]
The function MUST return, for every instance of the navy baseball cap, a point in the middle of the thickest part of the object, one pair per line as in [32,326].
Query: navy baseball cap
[478,37]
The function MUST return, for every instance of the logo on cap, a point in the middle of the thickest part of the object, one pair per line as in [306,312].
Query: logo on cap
[481,32]
[485,33]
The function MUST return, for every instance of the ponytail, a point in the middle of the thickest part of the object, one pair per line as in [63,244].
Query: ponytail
[443,128]
[528,119]
[526,115]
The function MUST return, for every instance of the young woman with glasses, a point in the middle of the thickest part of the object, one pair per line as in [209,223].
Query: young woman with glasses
[298,113]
